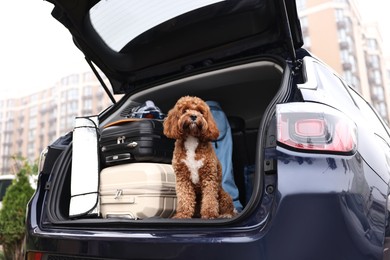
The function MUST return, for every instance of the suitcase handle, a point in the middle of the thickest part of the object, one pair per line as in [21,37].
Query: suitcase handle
[119,146]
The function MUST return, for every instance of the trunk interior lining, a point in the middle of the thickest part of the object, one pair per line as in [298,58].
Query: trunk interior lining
[243,91]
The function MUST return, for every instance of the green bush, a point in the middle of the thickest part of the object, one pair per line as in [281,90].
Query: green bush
[13,212]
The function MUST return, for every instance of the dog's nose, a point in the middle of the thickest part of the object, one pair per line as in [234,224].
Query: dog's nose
[193,117]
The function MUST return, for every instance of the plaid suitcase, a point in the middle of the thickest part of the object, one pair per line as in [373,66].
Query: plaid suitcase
[137,191]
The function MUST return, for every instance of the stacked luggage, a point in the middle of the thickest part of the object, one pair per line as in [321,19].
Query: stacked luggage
[136,180]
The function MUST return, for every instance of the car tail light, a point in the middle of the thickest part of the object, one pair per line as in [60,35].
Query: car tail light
[312,127]
[34,256]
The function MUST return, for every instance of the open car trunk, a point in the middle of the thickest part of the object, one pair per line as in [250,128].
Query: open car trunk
[247,92]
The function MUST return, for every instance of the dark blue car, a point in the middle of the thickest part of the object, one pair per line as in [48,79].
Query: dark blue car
[311,157]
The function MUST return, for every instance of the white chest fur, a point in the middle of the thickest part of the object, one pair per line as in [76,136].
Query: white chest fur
[193,165]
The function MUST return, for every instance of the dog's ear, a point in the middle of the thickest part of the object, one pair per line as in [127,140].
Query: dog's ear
[171,129]
[212,131]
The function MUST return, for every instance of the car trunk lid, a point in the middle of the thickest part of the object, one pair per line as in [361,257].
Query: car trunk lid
[136,43]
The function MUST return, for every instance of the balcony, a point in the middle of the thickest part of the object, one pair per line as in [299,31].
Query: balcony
[344,45]
[347,66]
[86,111]
[305,31]
[372,81]
[8,131]
[372,65]
[19,142]
[341,24]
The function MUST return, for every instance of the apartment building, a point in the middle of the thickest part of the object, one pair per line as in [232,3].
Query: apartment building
[335,32]
[29,123]
[387,74]
[376,69]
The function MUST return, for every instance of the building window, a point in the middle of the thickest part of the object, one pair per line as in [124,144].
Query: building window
[73,94]
[88,76]
[63,109]
[7,139]
[87,91]
[339,14]
[378,93]
[307,41]
[33,111]
[351,79]
[304,22]
[377,77]
[31,135]
[64,81]
[63,123]
[342,35]
[301,5]
[6,150]
[382,110]
[63,96]
[10,103]
[344,55]
[30,149]
[72,107]
[87,104]
[9,126]
[32,123]
[374,61]
[34,98]
[352,60]
[372,44]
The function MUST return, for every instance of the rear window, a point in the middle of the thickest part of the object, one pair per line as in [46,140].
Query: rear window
[119,22]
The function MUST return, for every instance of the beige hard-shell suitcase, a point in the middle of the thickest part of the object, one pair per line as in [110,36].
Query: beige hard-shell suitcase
[137,191]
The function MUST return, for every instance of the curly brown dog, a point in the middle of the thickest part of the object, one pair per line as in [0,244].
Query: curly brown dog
[197,168]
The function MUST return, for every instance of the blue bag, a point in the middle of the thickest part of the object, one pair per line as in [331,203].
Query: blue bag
[223,147]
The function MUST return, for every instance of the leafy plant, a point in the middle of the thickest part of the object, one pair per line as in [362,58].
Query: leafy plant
[13,212]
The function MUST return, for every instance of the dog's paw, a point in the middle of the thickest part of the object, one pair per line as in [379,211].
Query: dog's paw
[208,217]
[181,215]
[227,215]
[210,214]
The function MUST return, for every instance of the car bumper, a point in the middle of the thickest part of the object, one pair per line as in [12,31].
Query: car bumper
[322,208]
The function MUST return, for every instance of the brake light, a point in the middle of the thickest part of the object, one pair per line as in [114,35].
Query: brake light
[312,127]
[34,256]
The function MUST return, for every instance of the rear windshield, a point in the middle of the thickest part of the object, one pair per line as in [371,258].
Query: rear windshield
[119,22]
